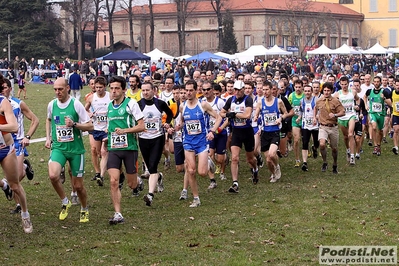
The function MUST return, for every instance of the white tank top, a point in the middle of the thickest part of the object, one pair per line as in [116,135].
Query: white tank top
[152,122]
[100,109]
[347,100]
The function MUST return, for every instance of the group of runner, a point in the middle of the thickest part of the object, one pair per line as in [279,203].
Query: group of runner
[209,118]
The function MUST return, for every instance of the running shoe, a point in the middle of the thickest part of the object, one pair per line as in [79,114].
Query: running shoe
[148,199]
[324,167]
[74,200]
[305,167]
[272,179]
[357,156]
[255,178]
[259,161]
[384,140]
[29,170]
[84,216]
[352,160]
[140,186]
[212,185]
[335,170]
[167,164]
[314,151]
[146,175]
[370,143]
[160,186]
[17,210]
[97,175]
[62,175]
[395,150]
[279,154]
[135,192]
[117,219]
[378,151]
[64,210]
[121,180]
[100,181]
[234,188]
[217,171]
[8,191]
[211,165]
[196,203]
[310,153]
[183,195]
[277,172]
[297,163]
[222,176]
[27,225]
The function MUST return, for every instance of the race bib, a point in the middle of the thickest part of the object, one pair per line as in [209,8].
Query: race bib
[101,118]
[64,133]
[211,123]
[152,125]
[397,106]
[118,141]
[376,107]
[270,119]
[296,110]
[193,127]
[2,141]
[308,121]
[240,121]
[349,109]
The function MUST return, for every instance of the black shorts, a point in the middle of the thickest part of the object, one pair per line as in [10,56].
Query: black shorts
[244,136]
[286,127]
[395,120]
[151,149]
[179,153]
[128,157]
[267,138]
[358,128]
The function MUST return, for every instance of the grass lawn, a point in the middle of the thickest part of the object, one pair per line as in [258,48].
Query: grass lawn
[276,224]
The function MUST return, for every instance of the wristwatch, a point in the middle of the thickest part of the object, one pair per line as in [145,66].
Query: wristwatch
[27,136]
[74,124]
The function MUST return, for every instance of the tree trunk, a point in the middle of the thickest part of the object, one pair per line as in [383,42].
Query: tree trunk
[152,26]
[131,35]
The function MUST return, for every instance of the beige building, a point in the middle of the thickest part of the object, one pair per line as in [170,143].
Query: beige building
[381,20]
[289,24]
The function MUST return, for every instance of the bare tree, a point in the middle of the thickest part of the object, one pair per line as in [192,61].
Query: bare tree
[217,6]
[110,6]
[152,26]
[184,9]
[128,7]
[303,25]
[96,15]
[370,36]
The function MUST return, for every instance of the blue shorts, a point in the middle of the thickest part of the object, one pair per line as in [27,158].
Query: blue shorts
[256,129]
[179,153]
[99,135]
[201,147]
[395,120]
[19,150]
[218,143]
[6,151]
[364,120]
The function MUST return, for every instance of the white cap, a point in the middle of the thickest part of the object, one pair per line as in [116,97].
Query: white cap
[227,75]
[239,84]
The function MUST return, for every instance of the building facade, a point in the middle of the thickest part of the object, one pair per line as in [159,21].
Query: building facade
[381,20]
[301,23]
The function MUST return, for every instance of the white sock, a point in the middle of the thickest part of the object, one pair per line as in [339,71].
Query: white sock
[25,214]
[5,185]
[74,194]
[65,201]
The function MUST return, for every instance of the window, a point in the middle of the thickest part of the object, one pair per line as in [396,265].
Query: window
[165,42]
[344,41]
[285,40]
[393,38]
[344,28]
[333,42]
[247,23]
[166,23]
[309,41]
[392,6]
[296,40]
[373,6]
[211,21]
[124,27]
[272,40]
[247,41]
[346,1]
[212,40]
[273,25]
[195,22]
[354,42]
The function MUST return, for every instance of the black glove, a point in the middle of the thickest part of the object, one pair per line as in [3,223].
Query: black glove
[231,115]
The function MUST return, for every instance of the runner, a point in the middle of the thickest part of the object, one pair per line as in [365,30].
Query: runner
[66,118]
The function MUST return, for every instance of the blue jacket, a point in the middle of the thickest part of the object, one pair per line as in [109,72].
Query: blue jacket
[75,82]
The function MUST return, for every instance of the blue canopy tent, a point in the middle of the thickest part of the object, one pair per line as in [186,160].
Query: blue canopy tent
[205,56]
[102,57]
[126,54]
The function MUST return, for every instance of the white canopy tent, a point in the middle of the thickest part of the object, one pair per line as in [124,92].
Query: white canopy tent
[157,54]
[345,49]
[183,57]
[250,53]
[376,49]
[321,50]
[275,50]
[393,50]
[225,55]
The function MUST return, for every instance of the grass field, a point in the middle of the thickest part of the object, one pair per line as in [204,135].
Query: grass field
[275,224]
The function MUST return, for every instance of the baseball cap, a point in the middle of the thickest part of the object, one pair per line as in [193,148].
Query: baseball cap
[239,84]
[228,75]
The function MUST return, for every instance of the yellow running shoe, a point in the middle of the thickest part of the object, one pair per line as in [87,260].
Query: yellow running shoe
[297,163]
[64,211]
[84,216]
[217,171]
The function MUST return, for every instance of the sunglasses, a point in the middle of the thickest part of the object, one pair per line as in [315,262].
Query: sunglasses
[206,89]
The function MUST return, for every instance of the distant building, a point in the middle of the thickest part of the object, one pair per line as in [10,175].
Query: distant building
[301,23]
[381,20]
